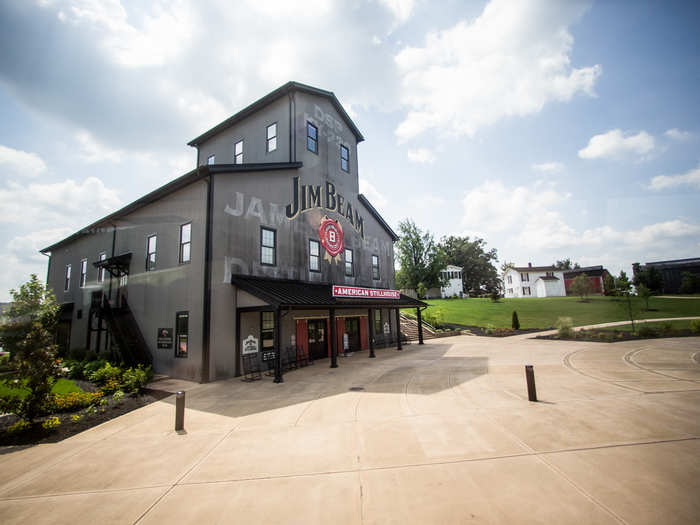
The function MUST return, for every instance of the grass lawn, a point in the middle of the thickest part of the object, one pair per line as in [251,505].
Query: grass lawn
[62,386]
[543,312]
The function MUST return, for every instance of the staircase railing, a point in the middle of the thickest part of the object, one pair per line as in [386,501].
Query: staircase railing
[125,330]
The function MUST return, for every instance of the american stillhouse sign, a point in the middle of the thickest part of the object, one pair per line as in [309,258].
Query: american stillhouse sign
[366,293]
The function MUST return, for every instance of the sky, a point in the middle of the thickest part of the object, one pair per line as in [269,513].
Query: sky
[551,129]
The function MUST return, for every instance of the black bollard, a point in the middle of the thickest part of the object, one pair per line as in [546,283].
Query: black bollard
[179,411]
[530,377]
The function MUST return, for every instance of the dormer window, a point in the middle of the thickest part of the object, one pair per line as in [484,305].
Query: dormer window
[238,152]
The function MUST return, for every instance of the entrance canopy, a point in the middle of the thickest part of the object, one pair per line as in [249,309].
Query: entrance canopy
[117,265]
[281,293]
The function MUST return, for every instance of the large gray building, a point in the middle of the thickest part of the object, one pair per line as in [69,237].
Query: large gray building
[267,244]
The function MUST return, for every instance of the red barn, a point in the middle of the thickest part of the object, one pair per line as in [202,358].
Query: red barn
[596,276]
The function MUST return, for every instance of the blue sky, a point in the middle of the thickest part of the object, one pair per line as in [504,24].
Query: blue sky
[550,129]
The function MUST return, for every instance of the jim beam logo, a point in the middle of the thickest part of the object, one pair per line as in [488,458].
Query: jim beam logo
[306,197]
[331,234]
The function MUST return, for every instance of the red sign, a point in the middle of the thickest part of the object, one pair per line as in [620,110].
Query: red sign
[331,235]
[364,293]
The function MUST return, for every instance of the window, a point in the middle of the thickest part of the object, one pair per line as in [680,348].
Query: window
[185,242]
[272,137]
[267,330]
[348,263]
[101,271]
[509,291]
[314,256]
[83,273]
[66,287]
[525,277]
[549,274]
[375,267]
[211,159]
[238,152]
[526,290]
[182,321]
[510,279]
[151,253]
[311,137]
[344,158]
[377,321]
[267,246]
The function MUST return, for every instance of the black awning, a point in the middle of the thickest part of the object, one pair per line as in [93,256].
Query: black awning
[297,294]
[117,265]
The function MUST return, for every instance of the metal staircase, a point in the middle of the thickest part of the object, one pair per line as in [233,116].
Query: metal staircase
[126,334]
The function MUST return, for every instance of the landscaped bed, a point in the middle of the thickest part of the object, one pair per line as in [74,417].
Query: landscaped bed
[74,405]
[615,334]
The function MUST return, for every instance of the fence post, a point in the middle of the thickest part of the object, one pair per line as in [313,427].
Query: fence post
[530,377]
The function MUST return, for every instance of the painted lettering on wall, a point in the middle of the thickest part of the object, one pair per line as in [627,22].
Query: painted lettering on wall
[328,126]
[307,197]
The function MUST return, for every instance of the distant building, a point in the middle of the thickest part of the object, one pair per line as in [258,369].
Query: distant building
[453,288]
[596,276]
[534,281]
[672,271]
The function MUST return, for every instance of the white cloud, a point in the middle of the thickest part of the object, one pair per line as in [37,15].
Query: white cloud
[549,167]
[421,155]
[91,151]
[20,163]
[615,144]
[400,9]
[69,202]
[510,61]
[375,197]
[678,134]
[690,178]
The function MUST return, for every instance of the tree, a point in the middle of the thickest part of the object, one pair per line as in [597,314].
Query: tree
[581,286]
[28,334]
[644,293]
[421,260]
[650,277]
[566,264]
[515,323]
[624,289]
[609,284]
[479,274]
[690,282]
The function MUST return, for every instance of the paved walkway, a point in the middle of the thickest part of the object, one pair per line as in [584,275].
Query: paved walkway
[441,433]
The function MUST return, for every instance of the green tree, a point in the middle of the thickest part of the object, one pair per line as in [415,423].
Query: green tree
[644,293]
[566,264]
[650,277]
[690,282]
[581,286]
[609,284]
[479,274]
[27,333]
[421,260]
[624,289]
[515,323]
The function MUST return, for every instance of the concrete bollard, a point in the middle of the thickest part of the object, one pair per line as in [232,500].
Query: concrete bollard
[530,377]
[179,411]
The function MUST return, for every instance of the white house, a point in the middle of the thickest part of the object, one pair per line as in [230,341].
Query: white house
[534,281]
[453,288]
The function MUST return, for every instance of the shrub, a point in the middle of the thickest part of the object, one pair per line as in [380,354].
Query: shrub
[50,423]
[118,395]
[76,417]
[647,331]
[516,322]
[19,426]
[106,373]
[490,329]
[111,386]
[695,326]
[667,329]
[77,354]
[135,379]
[73,401]
[90,367]
[565,327]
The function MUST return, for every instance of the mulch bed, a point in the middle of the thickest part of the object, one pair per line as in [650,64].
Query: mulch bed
[496,332]
[36,434]
[616,336]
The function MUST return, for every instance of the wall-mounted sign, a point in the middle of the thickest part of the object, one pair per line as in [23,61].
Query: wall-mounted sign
[331,235]
[386,328]
[165,338]
[364,293]
[250,345]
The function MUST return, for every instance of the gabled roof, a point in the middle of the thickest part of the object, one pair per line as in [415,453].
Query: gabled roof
[536,269]
[287,293]
[271,97]
[547,278]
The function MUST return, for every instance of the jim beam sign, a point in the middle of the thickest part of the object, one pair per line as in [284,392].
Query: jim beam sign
[331,234]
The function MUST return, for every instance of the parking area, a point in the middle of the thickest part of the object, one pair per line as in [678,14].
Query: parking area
[440,433]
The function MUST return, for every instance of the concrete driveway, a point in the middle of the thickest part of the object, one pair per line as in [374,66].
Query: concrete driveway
[440,433]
